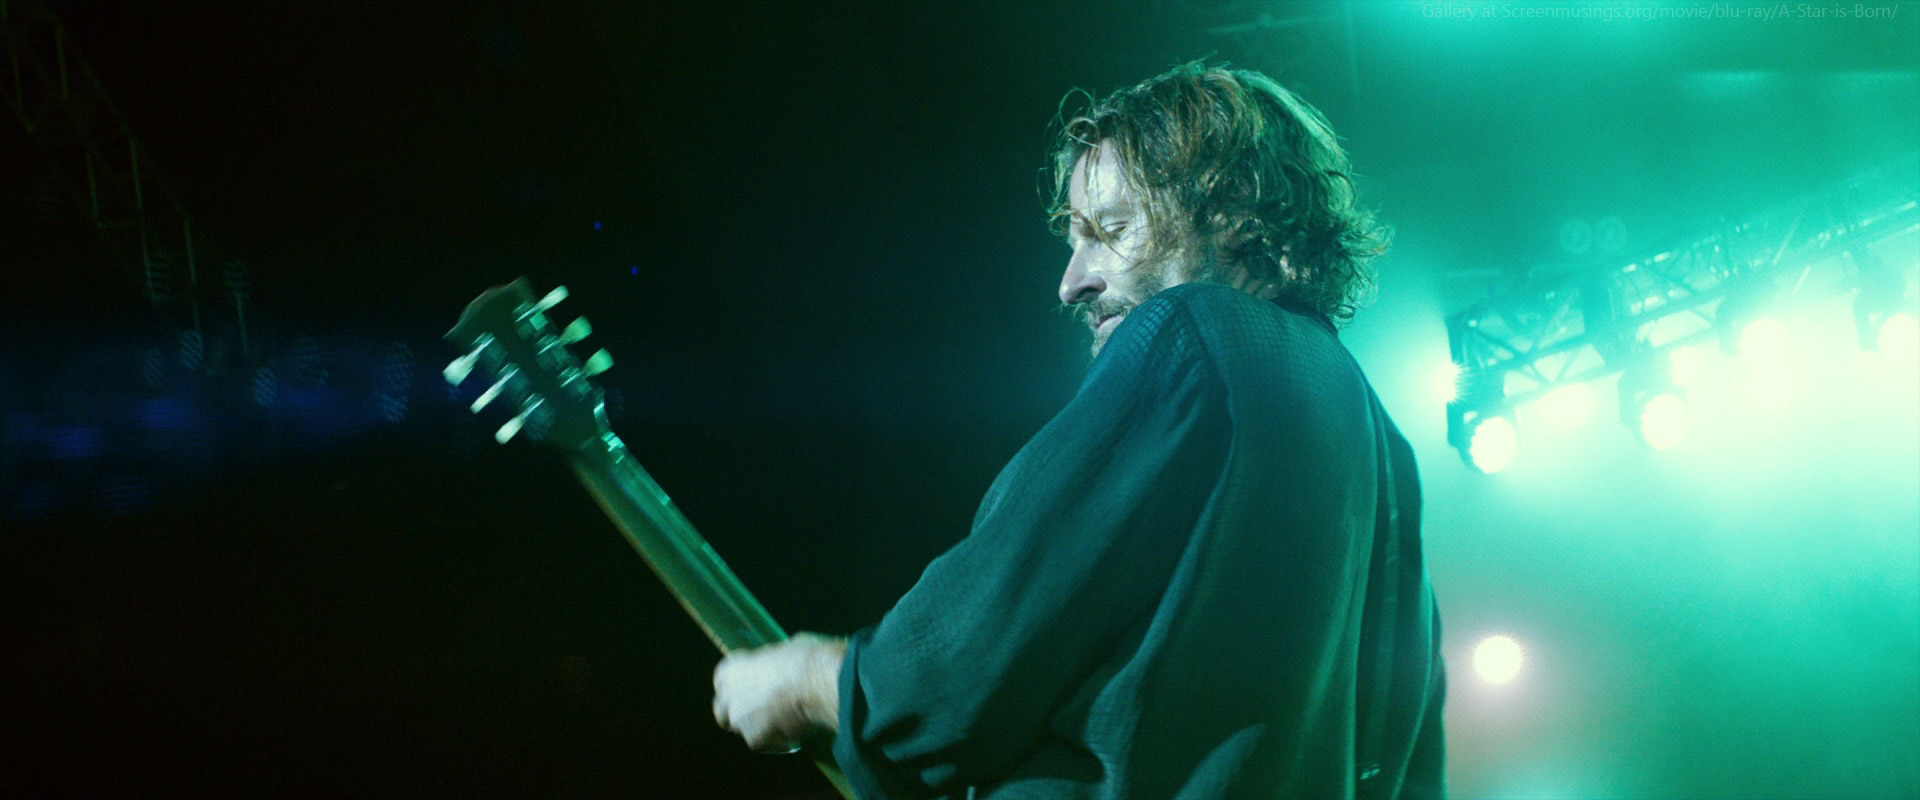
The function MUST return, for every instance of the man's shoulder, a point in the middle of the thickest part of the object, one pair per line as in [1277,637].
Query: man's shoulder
[1212,297]
[1261,351]
[1224,321]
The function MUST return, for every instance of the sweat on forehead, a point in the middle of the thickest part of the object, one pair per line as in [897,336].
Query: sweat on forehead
[1100,185]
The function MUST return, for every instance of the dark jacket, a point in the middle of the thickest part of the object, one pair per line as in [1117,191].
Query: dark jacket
[1202,579]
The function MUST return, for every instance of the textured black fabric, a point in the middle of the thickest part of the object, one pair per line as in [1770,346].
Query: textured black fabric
[1174,590]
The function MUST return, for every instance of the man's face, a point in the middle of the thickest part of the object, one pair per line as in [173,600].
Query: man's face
[1108,274]
[1114,268]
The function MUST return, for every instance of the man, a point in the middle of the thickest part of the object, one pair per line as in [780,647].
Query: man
[1204,578]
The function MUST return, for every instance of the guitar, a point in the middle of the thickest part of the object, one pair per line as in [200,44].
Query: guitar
[508,338]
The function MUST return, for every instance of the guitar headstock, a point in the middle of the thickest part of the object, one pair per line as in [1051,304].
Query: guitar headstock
[509,340]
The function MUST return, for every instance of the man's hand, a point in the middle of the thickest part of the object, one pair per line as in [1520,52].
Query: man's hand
[773,696]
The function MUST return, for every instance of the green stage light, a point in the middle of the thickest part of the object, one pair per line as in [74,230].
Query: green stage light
[1663,421]
[1884,313]
[1497,659]
[1899,342]
[1493,444]
[1446,382]
[1480,424]
[1653,405]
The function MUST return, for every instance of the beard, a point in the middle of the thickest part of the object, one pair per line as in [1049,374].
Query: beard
[1092,314]
[1152,278]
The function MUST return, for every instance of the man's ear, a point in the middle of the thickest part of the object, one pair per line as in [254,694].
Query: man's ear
[1286,264]
[1246,282]
[1230,237]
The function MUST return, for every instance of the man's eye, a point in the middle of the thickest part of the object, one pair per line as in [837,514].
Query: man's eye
[1116,228]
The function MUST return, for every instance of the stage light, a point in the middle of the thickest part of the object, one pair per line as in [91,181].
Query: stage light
[1663,421]
[1576,236]
[1609,234]
[1497,659]
[1743,323]
[1899,342]
[1492,445]
[1446,382]
[1884,314]
[1652,405]
[1479,424]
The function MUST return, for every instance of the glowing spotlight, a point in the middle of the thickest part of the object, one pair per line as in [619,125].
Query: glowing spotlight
[1446,382]
[1493,444]
[1568,405]
[1497,659]
[1652,405]
[1663,421]
[1480,426]
[1899,342]
[1883,315]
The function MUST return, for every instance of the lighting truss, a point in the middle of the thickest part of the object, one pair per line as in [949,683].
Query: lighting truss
[56,97]
[1522,343]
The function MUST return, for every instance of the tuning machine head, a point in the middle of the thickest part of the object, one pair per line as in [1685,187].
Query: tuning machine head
[509,339]
[457,372]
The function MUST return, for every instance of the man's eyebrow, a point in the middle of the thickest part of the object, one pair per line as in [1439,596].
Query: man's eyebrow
[1105,211]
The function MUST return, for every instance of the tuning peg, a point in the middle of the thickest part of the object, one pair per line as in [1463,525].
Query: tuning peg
[552,299]
[580,329]
[599,362]
[492,392]
[459,369]
[533,420]
[512,427]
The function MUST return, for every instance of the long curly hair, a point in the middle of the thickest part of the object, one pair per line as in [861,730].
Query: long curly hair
[1233,169]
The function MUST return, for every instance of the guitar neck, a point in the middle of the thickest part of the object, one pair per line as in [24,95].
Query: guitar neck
[717,601]
[508,337]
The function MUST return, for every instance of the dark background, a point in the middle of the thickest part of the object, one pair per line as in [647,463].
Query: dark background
[811,234]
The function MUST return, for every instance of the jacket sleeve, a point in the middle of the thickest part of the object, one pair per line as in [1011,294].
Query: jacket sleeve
[1426,776]
[1072,547]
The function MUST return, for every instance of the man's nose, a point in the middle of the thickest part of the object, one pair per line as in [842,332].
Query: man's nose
[1080,285]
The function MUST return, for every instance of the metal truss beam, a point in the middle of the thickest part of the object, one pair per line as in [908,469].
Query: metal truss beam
[1521,344]
[66,112]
